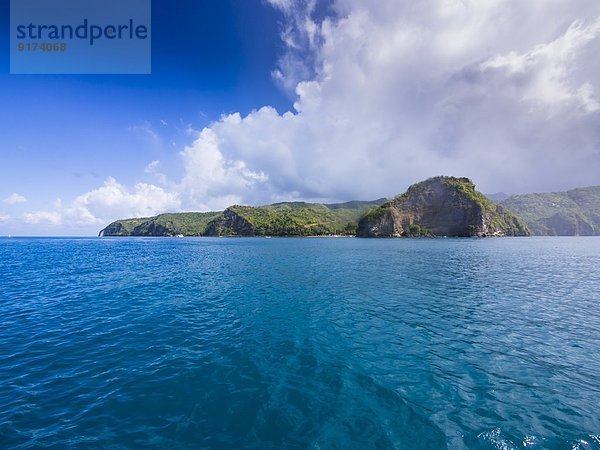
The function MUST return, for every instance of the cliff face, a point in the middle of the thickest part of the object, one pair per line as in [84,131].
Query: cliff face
[440,206]
[230,224]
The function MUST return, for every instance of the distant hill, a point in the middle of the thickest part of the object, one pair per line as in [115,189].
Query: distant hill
[497,197]
[188,224]
[571,213]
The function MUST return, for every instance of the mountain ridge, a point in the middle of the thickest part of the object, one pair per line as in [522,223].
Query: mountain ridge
[575,212]
[278,219]
[569,213]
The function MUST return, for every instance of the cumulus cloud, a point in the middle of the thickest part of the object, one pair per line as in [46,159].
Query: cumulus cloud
[14,199]
[43,217]
[104,204]
[212,181]
[505,92]
[141,201]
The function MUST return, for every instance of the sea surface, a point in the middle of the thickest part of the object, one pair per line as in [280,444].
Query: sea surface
[300,343]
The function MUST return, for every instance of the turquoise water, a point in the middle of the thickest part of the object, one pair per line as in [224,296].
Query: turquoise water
[300,343]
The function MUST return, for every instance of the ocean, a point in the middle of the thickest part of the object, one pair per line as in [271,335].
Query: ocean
[315,343]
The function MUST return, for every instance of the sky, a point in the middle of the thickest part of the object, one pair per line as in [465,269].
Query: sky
[260,101]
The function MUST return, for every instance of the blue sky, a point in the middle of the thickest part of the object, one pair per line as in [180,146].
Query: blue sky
[70,132]
[256,101]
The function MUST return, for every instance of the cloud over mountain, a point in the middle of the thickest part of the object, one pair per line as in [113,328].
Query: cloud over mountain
[388,93]
[504,92]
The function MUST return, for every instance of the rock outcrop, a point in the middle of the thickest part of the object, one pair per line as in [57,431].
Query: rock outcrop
[232,223]
[440,206]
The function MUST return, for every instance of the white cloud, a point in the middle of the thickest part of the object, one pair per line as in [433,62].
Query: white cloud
[544,72]
[141,201]
[4,218]
[43,217]
[14,198]
[110,201]
[505,92]
[212,181]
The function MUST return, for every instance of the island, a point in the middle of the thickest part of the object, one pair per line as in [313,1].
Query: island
[440,206]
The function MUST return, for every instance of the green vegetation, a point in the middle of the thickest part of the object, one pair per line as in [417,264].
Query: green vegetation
[356,205]
[280,219]
[576,212]
[290,219]
[378,212]
[500,218]
[122,227]
[188,224]
[588,200]
[416,230]
[440,206]
[467,188]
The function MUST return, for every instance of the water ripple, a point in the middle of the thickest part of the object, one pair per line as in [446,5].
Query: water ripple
[300,343]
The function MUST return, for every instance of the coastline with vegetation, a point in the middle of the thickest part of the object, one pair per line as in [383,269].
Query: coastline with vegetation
[439,206]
